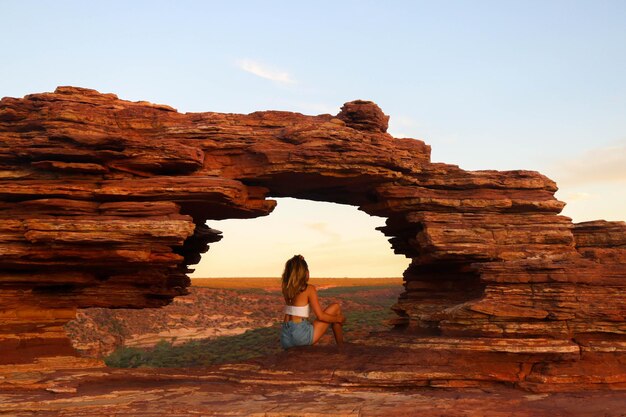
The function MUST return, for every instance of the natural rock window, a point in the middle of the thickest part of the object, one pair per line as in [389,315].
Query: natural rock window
[337,240]
[104,204]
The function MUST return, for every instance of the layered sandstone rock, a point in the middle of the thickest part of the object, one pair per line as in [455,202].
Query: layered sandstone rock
[205,313]
[296,386]
[104,203]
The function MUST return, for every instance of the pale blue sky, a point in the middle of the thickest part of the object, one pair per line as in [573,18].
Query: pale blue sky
[488,84]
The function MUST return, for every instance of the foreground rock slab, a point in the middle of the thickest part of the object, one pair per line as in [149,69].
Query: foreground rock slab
[304,382]
[192,396]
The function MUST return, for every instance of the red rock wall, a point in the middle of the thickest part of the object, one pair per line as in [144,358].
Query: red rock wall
[104,201]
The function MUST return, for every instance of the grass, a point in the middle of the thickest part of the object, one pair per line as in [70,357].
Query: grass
[252,343]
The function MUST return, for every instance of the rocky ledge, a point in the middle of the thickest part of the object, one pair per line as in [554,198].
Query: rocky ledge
[104,203]
[360,380]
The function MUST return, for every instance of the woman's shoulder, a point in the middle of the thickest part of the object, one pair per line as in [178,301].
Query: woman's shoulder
[310,287]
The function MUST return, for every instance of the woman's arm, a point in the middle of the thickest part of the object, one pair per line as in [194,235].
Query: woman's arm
[317,309]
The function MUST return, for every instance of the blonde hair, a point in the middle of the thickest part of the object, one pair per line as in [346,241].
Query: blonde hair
[294,278]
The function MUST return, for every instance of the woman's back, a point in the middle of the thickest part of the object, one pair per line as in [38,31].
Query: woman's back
[302,298]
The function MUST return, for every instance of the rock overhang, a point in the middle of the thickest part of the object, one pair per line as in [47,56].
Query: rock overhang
[104,203]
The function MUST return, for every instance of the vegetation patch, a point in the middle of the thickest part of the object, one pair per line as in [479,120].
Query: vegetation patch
[253,343]
[367,309]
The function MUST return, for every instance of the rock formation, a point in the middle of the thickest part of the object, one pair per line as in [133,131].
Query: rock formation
[205,313]
[104,204]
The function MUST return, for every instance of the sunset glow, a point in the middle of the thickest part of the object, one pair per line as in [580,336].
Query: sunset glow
[489,85]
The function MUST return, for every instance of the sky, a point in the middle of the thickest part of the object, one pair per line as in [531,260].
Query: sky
[532,84]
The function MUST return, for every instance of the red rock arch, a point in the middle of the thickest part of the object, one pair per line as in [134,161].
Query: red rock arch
[104,201]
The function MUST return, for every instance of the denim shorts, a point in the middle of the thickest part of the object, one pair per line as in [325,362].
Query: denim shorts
[296,334]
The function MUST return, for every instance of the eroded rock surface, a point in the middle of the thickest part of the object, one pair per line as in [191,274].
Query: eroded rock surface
[104,204]
[202,314]
[312,381]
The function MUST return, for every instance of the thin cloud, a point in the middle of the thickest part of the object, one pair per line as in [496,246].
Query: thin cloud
[263,71]
[322,228]
[599,165]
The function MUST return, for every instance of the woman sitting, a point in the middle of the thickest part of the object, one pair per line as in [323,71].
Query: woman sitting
[300,298]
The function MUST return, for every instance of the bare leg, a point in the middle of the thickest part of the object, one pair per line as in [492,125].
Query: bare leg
[338,333]
[320,327]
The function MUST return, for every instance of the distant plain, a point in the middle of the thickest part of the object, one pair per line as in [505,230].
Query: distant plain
[274,282]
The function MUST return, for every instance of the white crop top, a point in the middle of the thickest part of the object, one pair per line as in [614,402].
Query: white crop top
[300,311]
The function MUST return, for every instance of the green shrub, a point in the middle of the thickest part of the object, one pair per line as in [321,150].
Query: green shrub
[253,343]
[125,357]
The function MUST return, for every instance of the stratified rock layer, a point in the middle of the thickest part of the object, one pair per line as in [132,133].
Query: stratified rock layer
[104,204]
